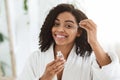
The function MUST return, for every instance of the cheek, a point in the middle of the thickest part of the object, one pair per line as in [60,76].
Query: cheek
[73,32]
[52,30]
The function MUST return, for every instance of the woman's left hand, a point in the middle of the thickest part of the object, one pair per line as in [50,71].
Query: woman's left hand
[91,29]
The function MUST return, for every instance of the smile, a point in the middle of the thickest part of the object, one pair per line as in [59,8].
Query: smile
[60,36]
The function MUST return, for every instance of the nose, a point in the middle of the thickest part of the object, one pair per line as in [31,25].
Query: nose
[61,28]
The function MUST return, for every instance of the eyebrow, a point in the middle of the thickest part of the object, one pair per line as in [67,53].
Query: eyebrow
[67,21]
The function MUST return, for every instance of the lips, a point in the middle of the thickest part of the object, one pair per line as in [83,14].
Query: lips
[60,36]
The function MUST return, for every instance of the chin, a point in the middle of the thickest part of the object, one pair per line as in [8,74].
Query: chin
[60,43]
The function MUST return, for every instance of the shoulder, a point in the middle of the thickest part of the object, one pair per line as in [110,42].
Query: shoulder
[36,55]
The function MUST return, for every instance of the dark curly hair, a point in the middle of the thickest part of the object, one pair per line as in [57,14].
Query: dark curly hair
[83,48]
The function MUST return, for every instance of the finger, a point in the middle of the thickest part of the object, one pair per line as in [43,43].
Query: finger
[49,66]
[93,25]
[58,63]
[55,64]
[85,25]
[51,63]
[59,70]
[88,25]
[89,21]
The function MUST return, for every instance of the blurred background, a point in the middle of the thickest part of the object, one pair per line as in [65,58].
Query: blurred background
[21,20]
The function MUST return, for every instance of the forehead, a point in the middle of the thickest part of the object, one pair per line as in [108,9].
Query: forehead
[66,16]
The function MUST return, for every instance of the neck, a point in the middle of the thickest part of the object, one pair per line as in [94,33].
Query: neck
[65,49]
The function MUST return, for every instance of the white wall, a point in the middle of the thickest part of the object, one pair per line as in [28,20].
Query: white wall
[106,15]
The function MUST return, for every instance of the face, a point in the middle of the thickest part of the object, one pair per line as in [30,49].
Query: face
[65,29]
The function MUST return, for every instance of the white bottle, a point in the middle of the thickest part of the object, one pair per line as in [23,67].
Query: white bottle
[59,54]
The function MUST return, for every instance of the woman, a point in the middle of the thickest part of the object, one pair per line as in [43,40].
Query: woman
[68,30]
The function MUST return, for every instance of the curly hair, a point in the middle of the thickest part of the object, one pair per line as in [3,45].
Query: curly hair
[83,48]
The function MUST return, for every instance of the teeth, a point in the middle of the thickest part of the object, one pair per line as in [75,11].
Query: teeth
[60,36]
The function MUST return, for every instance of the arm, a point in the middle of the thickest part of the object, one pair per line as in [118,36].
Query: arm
[106,64]
[107,72]
[102,57]
[91,28]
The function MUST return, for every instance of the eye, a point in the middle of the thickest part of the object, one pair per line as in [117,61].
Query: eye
[68,26]
[56,24]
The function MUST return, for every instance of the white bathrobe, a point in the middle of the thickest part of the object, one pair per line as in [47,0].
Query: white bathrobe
[76,67]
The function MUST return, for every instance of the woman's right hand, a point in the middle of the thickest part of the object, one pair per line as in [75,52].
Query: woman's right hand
[53,68]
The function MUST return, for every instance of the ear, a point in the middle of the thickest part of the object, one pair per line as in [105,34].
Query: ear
[79,32]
